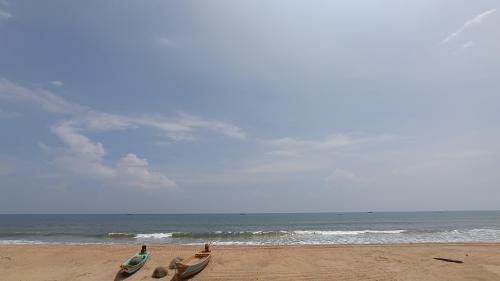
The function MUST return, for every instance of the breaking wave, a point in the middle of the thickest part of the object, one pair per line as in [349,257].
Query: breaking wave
[292,237]
[249,234]
[347,232]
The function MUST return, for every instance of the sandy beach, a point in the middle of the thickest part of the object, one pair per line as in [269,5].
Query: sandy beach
[339,262]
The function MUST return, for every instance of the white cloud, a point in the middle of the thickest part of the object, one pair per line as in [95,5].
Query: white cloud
[100,121]
[293,155]
[57,83]
[280,167]
[78,142]
[4,15]
[166,42]
[226,129]
[469,23]
[44,99]
[82,156]
[294,146]
[469,44]
[43,147]
[85,157]
[134,171]
[181,128]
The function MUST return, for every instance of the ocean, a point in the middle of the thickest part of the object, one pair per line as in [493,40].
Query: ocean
[254,229]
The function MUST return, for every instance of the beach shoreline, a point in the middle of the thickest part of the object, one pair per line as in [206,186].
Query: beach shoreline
[413,261]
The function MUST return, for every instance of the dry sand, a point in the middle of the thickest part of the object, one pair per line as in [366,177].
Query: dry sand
[340,262]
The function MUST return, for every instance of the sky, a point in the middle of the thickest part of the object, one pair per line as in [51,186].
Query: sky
[249,106]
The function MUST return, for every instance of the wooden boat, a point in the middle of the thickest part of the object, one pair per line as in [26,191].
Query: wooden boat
[192,265]
[135,262]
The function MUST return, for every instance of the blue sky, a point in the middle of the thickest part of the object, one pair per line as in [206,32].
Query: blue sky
[249,106]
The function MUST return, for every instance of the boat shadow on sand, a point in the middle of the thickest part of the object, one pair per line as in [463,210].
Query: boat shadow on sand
[177,278]
[121,276]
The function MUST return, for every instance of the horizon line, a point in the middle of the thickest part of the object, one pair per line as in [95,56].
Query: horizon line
[259,213]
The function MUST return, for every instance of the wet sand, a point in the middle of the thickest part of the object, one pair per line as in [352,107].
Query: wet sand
[338,262]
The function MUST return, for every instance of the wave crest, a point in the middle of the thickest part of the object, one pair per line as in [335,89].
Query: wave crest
[249,234]
[153,235]
[347,232]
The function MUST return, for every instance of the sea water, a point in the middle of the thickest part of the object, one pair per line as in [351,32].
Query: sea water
[254,229]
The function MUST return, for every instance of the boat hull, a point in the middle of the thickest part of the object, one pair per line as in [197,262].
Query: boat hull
[188,270]
[127,268]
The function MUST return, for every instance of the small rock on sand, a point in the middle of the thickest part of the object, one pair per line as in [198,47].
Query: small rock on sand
[160,272]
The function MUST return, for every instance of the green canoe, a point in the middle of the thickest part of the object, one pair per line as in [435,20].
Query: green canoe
[135,262]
